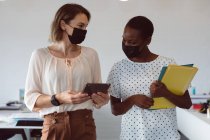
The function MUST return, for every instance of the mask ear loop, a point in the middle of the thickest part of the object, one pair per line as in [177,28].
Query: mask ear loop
[71,27]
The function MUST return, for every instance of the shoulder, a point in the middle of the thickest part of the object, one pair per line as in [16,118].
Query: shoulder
[167,60]
[41,52]
[119,64]
[39,55]
[89,51]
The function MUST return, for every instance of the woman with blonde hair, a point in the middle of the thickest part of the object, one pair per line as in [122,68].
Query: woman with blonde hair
[58,74]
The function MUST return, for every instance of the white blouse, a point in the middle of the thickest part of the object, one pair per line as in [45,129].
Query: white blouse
[49,75]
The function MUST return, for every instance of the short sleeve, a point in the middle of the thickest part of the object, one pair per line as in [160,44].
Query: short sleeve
[113,79]
[33,86]
[172,61]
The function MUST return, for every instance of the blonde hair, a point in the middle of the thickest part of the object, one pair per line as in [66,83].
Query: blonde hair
[66,13]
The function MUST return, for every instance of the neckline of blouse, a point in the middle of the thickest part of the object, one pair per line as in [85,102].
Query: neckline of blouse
[63,58]
[143,62]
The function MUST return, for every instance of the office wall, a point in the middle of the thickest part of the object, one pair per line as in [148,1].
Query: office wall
[181,31]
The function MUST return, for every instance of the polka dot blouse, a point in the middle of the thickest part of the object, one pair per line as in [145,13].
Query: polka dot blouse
[128,78]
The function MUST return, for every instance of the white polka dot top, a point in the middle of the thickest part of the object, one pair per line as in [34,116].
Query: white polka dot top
[128,78]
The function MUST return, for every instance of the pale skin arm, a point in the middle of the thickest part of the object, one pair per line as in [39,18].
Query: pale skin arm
[66,97]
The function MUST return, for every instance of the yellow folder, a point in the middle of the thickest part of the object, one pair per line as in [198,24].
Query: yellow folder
[177,79]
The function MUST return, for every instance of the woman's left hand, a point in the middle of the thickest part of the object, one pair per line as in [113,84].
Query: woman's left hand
[99,99]
[158,89]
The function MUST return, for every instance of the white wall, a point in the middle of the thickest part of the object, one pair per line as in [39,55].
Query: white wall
[181,31]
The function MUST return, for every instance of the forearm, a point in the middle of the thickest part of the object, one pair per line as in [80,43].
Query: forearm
[183,101]
[122,107]
[158,89]
[43,101]
[66,97]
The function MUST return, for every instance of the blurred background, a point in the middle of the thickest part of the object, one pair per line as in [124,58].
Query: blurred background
[181,31]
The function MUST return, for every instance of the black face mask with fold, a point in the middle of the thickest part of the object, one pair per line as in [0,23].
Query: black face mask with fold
[78,36]
[130,51]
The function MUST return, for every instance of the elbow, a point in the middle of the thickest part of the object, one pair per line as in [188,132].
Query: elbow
[30,101]
[187,106]
[28,104]
[116,112]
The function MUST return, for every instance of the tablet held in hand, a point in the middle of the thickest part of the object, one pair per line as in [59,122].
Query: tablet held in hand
[91,88]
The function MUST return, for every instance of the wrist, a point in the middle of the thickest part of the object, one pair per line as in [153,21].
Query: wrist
[54,100]
[58,98]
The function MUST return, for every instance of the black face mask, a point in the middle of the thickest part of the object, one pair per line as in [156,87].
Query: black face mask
[78,36]
[130,51]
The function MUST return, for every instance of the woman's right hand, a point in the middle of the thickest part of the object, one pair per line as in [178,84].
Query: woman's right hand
[72,97]
[142,101]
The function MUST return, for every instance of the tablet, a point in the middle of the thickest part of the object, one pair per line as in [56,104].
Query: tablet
[91,88]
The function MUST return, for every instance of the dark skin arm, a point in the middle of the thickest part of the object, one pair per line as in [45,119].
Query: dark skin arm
[158,89]
[120,107]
